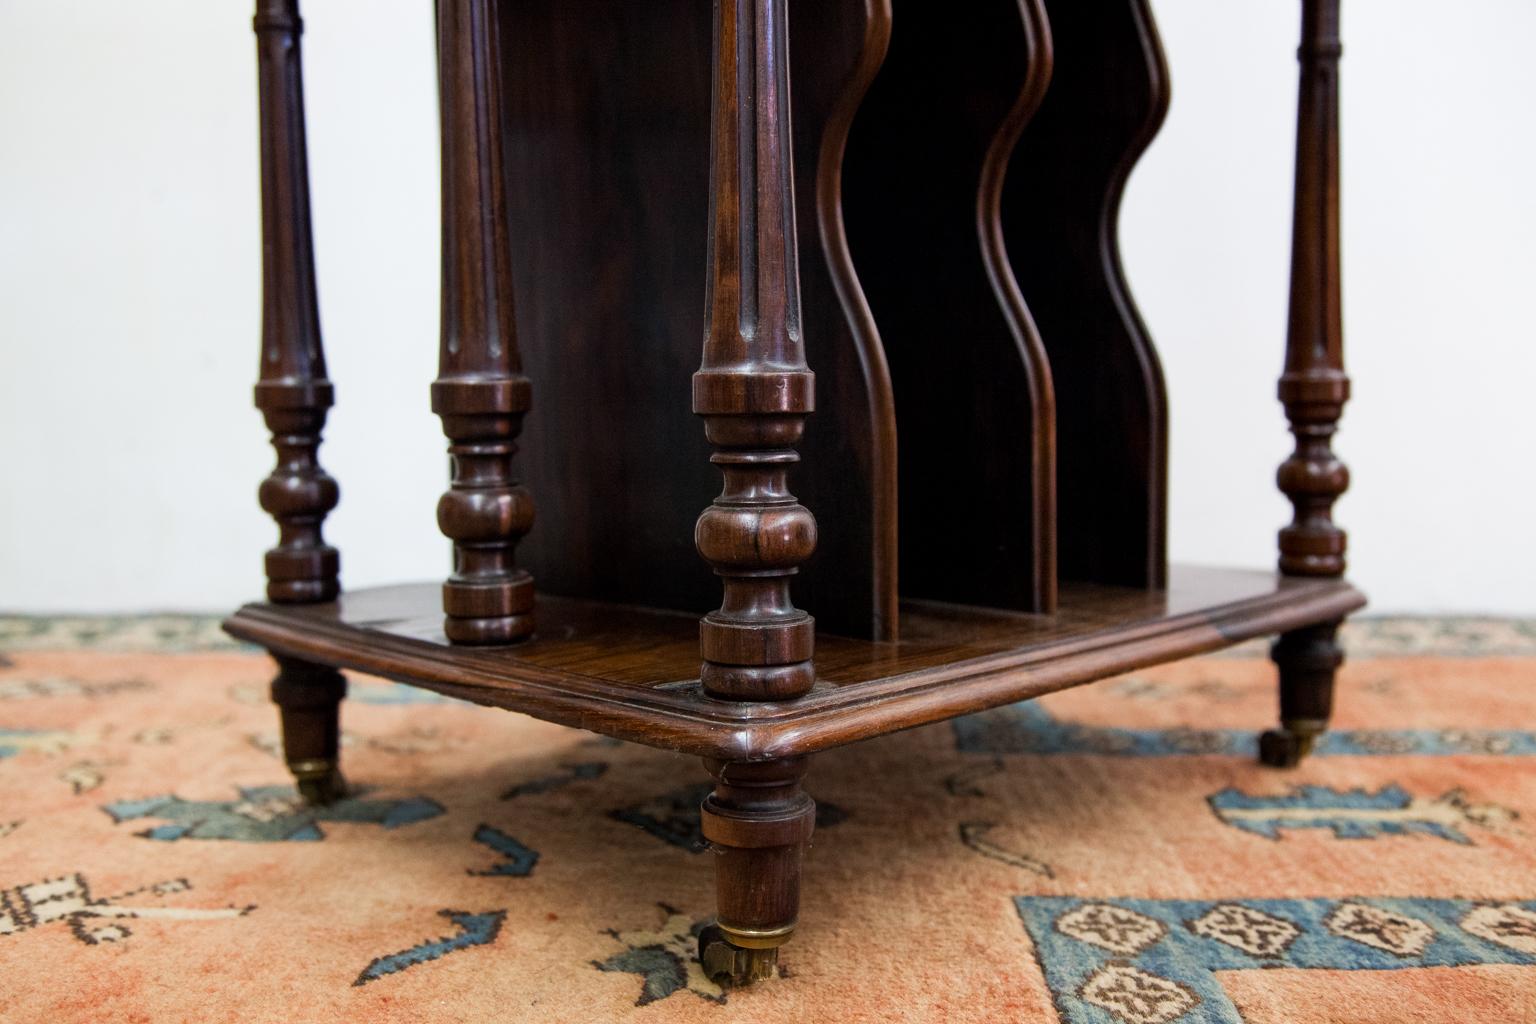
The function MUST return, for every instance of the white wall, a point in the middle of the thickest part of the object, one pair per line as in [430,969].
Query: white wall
[129,275]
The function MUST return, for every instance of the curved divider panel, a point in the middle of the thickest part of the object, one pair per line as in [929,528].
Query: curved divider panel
[608,154]
[1061,204]
[836,47]
[922,174]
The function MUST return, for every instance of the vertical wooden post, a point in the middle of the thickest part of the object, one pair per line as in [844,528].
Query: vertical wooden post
[1313,389]
[480,393]
[293,393]
[754,391]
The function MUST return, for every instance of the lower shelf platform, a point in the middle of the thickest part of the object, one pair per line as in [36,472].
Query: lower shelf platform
[633,672]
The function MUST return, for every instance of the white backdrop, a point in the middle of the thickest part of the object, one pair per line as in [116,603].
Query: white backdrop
[130,276]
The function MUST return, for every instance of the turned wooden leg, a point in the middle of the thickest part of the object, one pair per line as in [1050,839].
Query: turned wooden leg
[754,392]
[481,393]
[1314,387]
[753,388]
[1308,660]
[758,821]
[309,698]
[293,392]
[1313,390]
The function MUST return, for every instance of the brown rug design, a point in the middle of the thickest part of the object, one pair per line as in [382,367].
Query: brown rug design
[1110,855]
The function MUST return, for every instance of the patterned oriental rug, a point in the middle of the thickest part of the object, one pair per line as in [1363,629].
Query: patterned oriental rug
[1110,855]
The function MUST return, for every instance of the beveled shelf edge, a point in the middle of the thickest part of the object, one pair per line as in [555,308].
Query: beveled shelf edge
[905,702]
[680,718]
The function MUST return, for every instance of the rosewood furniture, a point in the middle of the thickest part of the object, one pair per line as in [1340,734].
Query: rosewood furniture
[934,231]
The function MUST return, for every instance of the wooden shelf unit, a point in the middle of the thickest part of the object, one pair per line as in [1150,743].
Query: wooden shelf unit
[988,450]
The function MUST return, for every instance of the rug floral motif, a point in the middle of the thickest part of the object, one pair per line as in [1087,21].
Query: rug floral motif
[1108,855]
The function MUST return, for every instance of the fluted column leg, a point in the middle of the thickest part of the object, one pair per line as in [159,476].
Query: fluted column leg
[292,393]
[1313,390]
[294,396]
[754,391]
[480,393]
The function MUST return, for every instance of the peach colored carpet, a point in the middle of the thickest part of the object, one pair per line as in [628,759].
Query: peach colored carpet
[1111,855]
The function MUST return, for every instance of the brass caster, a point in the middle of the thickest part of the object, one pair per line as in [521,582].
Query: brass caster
[726,963]
[319,782]
[1283,748]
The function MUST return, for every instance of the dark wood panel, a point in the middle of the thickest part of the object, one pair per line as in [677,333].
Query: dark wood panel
[971,389]
[1060,212]
[608,161]
[632,672]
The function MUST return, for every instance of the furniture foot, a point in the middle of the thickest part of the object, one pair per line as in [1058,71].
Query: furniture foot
[1308,660]
[726,962]
[757,821]
[308,697]
[1287,746]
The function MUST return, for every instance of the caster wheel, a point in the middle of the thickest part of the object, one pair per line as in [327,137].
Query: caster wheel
[1281,748]
[726,963]
[319,784]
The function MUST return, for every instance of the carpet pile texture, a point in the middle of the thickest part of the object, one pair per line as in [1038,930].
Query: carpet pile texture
[1109,855]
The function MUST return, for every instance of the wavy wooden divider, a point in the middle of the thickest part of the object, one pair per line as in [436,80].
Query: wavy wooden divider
[972,388]
[1061,202]
[942,173]
[840,46]
[608,199]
